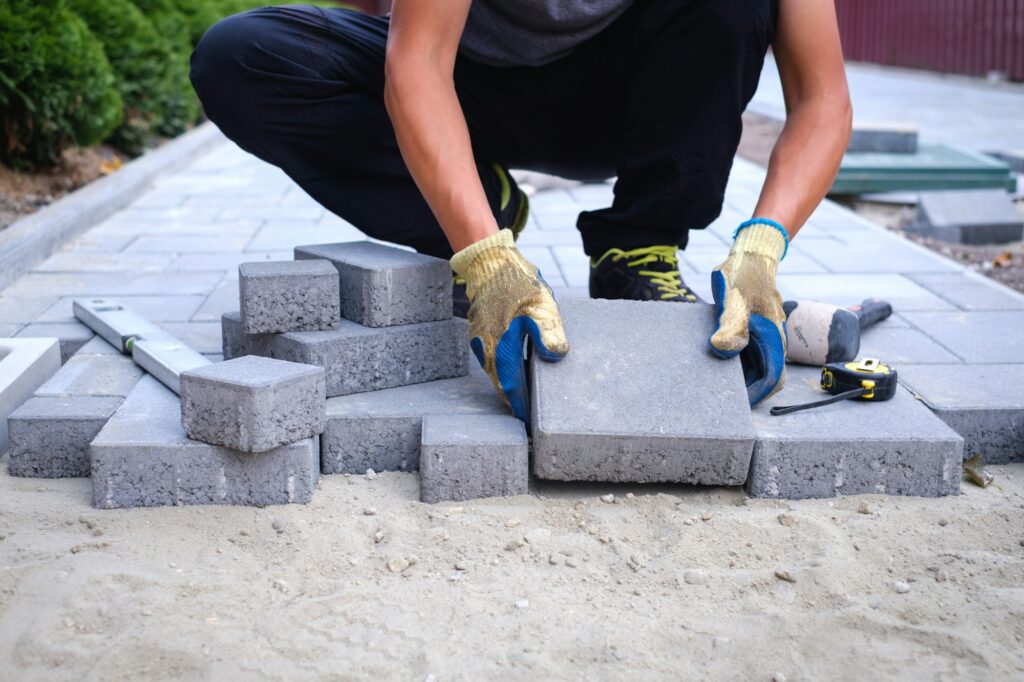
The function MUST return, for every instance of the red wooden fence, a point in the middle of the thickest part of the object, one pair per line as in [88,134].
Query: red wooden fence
[971,37]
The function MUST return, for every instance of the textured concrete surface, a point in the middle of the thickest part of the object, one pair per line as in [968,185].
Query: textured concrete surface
[463,457]
[381,430]
[288,296]
[253,404]
[101,374]
[142,458]
[897,447]
[984,216]
[50,436]
[236,343]
[640,399]
[383,286]
[72,335]
[983,403]
[978,337]
[25,364]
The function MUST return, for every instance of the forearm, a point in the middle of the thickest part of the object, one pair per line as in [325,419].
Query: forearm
[805,160]
[434,141]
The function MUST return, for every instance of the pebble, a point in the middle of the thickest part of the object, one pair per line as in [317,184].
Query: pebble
[378,537]
[412,559]
[571,562]
[512,523]
[943,522]
[461,566]
[941,576]
[630,496]
[785,574]
[371,474]
[900,587]
[787,520]
[608,499]
[522,603]
[280,585]
[705,516]
[778,677]
[688,522]
[278,525]
[513,545]
[553,559]
[695,576]
[864,507]
[398,565]
[369,511]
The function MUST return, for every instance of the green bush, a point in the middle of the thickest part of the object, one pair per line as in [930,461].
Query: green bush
[180,107]
[56,86]
[200,15]
[141,61]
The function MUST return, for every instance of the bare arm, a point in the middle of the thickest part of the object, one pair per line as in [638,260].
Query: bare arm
[419,94]
[806,157]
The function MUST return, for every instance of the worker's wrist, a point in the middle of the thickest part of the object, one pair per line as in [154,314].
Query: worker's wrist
[763,237]
[481,257]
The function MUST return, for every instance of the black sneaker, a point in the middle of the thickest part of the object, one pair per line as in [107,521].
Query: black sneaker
[650,273]
[513,213]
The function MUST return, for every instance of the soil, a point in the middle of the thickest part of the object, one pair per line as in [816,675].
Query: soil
[25,193]
[1003,263]
[656,582]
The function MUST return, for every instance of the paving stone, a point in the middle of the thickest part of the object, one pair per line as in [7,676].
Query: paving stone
[227,262]
[902,345]
[854,447]
[977,337]
[971,291]
[1014,158]
[113,284]
[381,430]
[983,403]
[618,410]
[143,458]
[155,308]
[10,330]
[464,457]
[984,216]
[98,346]
[845,290]
[88,261]
[883,253]
[276,236]
[23,309]
[50,436]
[383,286]
[253,404]
[893,138]
[96,375]
[72,335]
[289,296]
[181,242]
[25,364]
[203,337]
[235,343]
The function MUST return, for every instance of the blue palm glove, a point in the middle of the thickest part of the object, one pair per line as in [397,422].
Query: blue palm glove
[509,302]
[751,321]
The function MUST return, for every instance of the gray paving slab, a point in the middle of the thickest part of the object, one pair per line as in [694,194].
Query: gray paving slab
[203,337]
[235,343]
[977,337]
[881,254]
[1014,158]
[143,458]
[970,291]
[278,236]
[232,242]
[289,296]
[93,375]
[383,286]
[253,404]
[845,290]
[226,262]
[986,216]
[155,308]
[894,138]
[901,345]
[50,436]
[23,309]
[114,284]
[897,447]
[464,457]
[983,403]
[72,335]
[98,346]
[618,410]
[89,261]
[25,364]
[8,330]
[381,430]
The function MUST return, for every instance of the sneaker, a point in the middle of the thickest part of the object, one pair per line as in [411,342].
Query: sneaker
[513,212]
[650,273]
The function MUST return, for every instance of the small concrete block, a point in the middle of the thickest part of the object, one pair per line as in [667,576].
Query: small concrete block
[381,430]
[359,358]
[253,404]
[892,138]
[24,365]
[983,403]
[50,436]
[977,337]
[289,296]
[982,216]
[463,457]
[897,447]
[382,286]
[102,375]
[235,342]
[616,409]
[72,335]
[142,458]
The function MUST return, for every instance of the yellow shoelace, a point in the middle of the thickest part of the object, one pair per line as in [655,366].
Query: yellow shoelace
[668,282]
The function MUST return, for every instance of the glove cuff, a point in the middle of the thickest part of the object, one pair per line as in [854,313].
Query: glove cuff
[477,256]
[762,240]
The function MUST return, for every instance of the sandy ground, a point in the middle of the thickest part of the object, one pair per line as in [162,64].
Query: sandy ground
[662,583]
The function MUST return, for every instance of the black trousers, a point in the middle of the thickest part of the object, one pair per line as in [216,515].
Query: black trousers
[655,99]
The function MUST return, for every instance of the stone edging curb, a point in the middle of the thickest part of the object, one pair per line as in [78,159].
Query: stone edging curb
[35,237]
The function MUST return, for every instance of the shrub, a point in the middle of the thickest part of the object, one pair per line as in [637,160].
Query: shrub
[56,85]
[200,15]
[180,107]
[141,62]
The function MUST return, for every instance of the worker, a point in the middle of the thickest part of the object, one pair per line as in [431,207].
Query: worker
[406,126]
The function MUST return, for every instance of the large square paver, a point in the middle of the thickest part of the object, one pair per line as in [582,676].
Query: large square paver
[896,447]
[977,337]
[639,398]
[983,216]
[983,403]
[142,458]
[971,291]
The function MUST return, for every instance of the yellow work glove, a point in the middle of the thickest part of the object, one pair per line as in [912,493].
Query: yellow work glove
[750,315]
[509,301]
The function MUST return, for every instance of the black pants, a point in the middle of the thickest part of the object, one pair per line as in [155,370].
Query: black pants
[655,99]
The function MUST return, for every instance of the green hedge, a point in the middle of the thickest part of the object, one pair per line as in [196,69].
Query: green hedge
[179,105]
[56,85]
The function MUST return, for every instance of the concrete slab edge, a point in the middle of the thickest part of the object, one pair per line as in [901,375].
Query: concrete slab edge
[35,237]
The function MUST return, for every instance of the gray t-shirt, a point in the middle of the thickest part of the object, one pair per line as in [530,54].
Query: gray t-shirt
[533,32]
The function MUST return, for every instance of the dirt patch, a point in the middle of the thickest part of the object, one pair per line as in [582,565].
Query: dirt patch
[1003,263]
